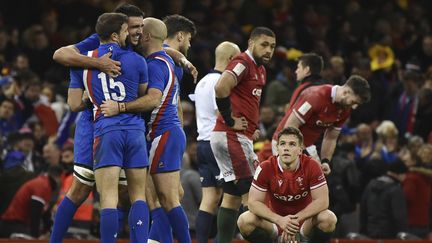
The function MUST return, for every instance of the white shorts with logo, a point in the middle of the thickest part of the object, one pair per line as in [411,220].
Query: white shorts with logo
[234,155]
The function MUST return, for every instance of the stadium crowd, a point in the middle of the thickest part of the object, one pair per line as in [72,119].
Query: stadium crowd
[380,182]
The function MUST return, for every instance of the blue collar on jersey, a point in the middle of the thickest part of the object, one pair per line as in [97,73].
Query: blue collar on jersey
[158,53]
[111,46]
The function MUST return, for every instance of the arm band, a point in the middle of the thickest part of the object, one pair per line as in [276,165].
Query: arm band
[224,106]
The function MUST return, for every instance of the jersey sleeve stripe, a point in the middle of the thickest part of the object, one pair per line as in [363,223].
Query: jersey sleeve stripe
[259,188]
[39,199]
[157,113]
[299,117]
[318,185]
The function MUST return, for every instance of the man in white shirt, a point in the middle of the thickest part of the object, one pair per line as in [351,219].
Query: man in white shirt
[206,114]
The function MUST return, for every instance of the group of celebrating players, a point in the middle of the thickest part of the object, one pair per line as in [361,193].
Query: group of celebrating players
[134,65]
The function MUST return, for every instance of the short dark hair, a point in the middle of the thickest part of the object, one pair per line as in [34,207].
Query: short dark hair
[314,61]
[256,32]
[129,10]
[176,23]
[360,86]
[109,23]
[291,131]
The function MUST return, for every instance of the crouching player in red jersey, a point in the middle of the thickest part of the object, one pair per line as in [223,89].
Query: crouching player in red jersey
[298,197]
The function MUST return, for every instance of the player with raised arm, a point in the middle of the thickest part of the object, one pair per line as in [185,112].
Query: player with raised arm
[298,196]
[118,140]
[206,115]
[324,109]
[238,95]
[83,180]
[166,135]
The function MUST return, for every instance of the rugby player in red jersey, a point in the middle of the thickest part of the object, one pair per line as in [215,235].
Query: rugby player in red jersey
[298,196]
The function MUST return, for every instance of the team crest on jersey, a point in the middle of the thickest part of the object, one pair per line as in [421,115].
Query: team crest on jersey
[239,68]
[280,182]
[299,181]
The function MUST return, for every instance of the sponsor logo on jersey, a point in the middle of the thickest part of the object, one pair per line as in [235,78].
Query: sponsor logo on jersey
[257,92]
[324,124]
[290,198]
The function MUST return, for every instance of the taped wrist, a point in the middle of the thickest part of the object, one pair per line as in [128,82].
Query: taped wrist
[224,106]
[326,161]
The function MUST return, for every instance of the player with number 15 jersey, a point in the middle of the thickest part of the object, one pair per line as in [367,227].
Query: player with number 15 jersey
[123,88]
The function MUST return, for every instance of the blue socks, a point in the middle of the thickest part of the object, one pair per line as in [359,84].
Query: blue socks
[139,222]
[160,225]
[108,225]
[179,224]
[121,217]
[63,219]
[203,224]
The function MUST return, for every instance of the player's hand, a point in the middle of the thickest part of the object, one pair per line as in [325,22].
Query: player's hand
[108,65]
[240,124]
[186,64]
[256,135]
[290,224]
[325,167]
[287,238]
[109,108]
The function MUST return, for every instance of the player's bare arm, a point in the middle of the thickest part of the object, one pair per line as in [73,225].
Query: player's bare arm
[180,59]
[320,202]
[258,207]
[75,100]
[223,89]
[69,56]
[293,121]
[144,103]
[328,147]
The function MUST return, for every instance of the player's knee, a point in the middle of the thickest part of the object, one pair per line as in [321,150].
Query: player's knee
[167,201]
[246,222]
[327,221]
[78,193]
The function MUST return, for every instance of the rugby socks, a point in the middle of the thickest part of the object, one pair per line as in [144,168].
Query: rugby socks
[160,224]
[319,236]
[226,222]
[63,218]
[258,235]
[179,224]
[108,225]
[139,222]
[203,224]
[121,217]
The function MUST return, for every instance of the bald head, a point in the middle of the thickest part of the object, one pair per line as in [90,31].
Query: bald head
[156,28]
[225,52]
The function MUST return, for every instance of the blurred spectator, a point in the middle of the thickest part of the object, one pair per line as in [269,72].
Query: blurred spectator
[365,143]
[266,121]
[189,124]
[387,144]
[417,189]
[344,189]
[337,67]
[383,211]
[190,181]
[425,56]
[51,154]
[7,123]
[32,200]
[423,118]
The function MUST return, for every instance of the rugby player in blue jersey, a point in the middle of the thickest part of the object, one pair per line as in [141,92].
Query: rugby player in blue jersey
[118,140]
